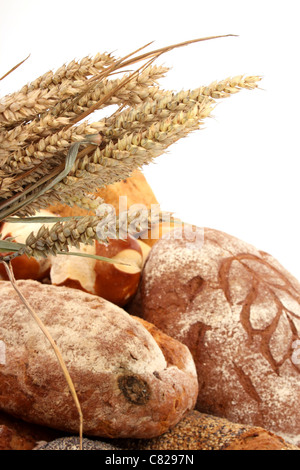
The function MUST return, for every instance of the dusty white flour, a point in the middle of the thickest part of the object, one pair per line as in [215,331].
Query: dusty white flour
[95,334]
[248,308]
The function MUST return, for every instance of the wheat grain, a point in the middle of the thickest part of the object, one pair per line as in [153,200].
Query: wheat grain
[49,89]
[54,144]
[118,160]
[63,235]
[229,86]
[46,148]
[20,106]
[72,71]
[134,92]
[59,116]
[37,145]
[163,104]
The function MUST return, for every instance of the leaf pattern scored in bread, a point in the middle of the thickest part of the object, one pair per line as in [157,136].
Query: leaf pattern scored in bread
[269,302]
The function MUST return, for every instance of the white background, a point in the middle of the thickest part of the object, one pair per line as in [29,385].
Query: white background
[240,174]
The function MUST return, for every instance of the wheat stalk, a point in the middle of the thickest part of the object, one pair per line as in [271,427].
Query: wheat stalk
[60,115]
[44,92]
[157,116]
[51,151]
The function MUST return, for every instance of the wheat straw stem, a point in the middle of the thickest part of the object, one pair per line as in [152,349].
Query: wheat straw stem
[150,142]
[104,99]
[164,104]
[14,68]
[162,50]
[62,235]
[127,152]
[72,71]
[9,271]
[136,91]
[45,148]
[33,100]
[151,56]
[19,200]
[135,118]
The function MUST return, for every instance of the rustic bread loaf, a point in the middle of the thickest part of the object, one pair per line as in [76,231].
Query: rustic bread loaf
[199,431]
[116,282]
[131,379]
[238,311]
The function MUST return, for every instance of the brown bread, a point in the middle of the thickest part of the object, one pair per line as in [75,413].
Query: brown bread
[238,311]
[131,379]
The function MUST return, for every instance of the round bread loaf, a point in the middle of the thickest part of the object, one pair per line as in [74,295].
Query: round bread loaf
[131,379]
[73,443]
[238,311]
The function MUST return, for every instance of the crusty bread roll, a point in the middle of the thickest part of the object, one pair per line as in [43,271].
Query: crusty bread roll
[116,282]
[238,311]
[198,431]
[131,379]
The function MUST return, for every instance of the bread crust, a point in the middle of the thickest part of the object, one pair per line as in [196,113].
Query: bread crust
[238,311]
[130,381]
